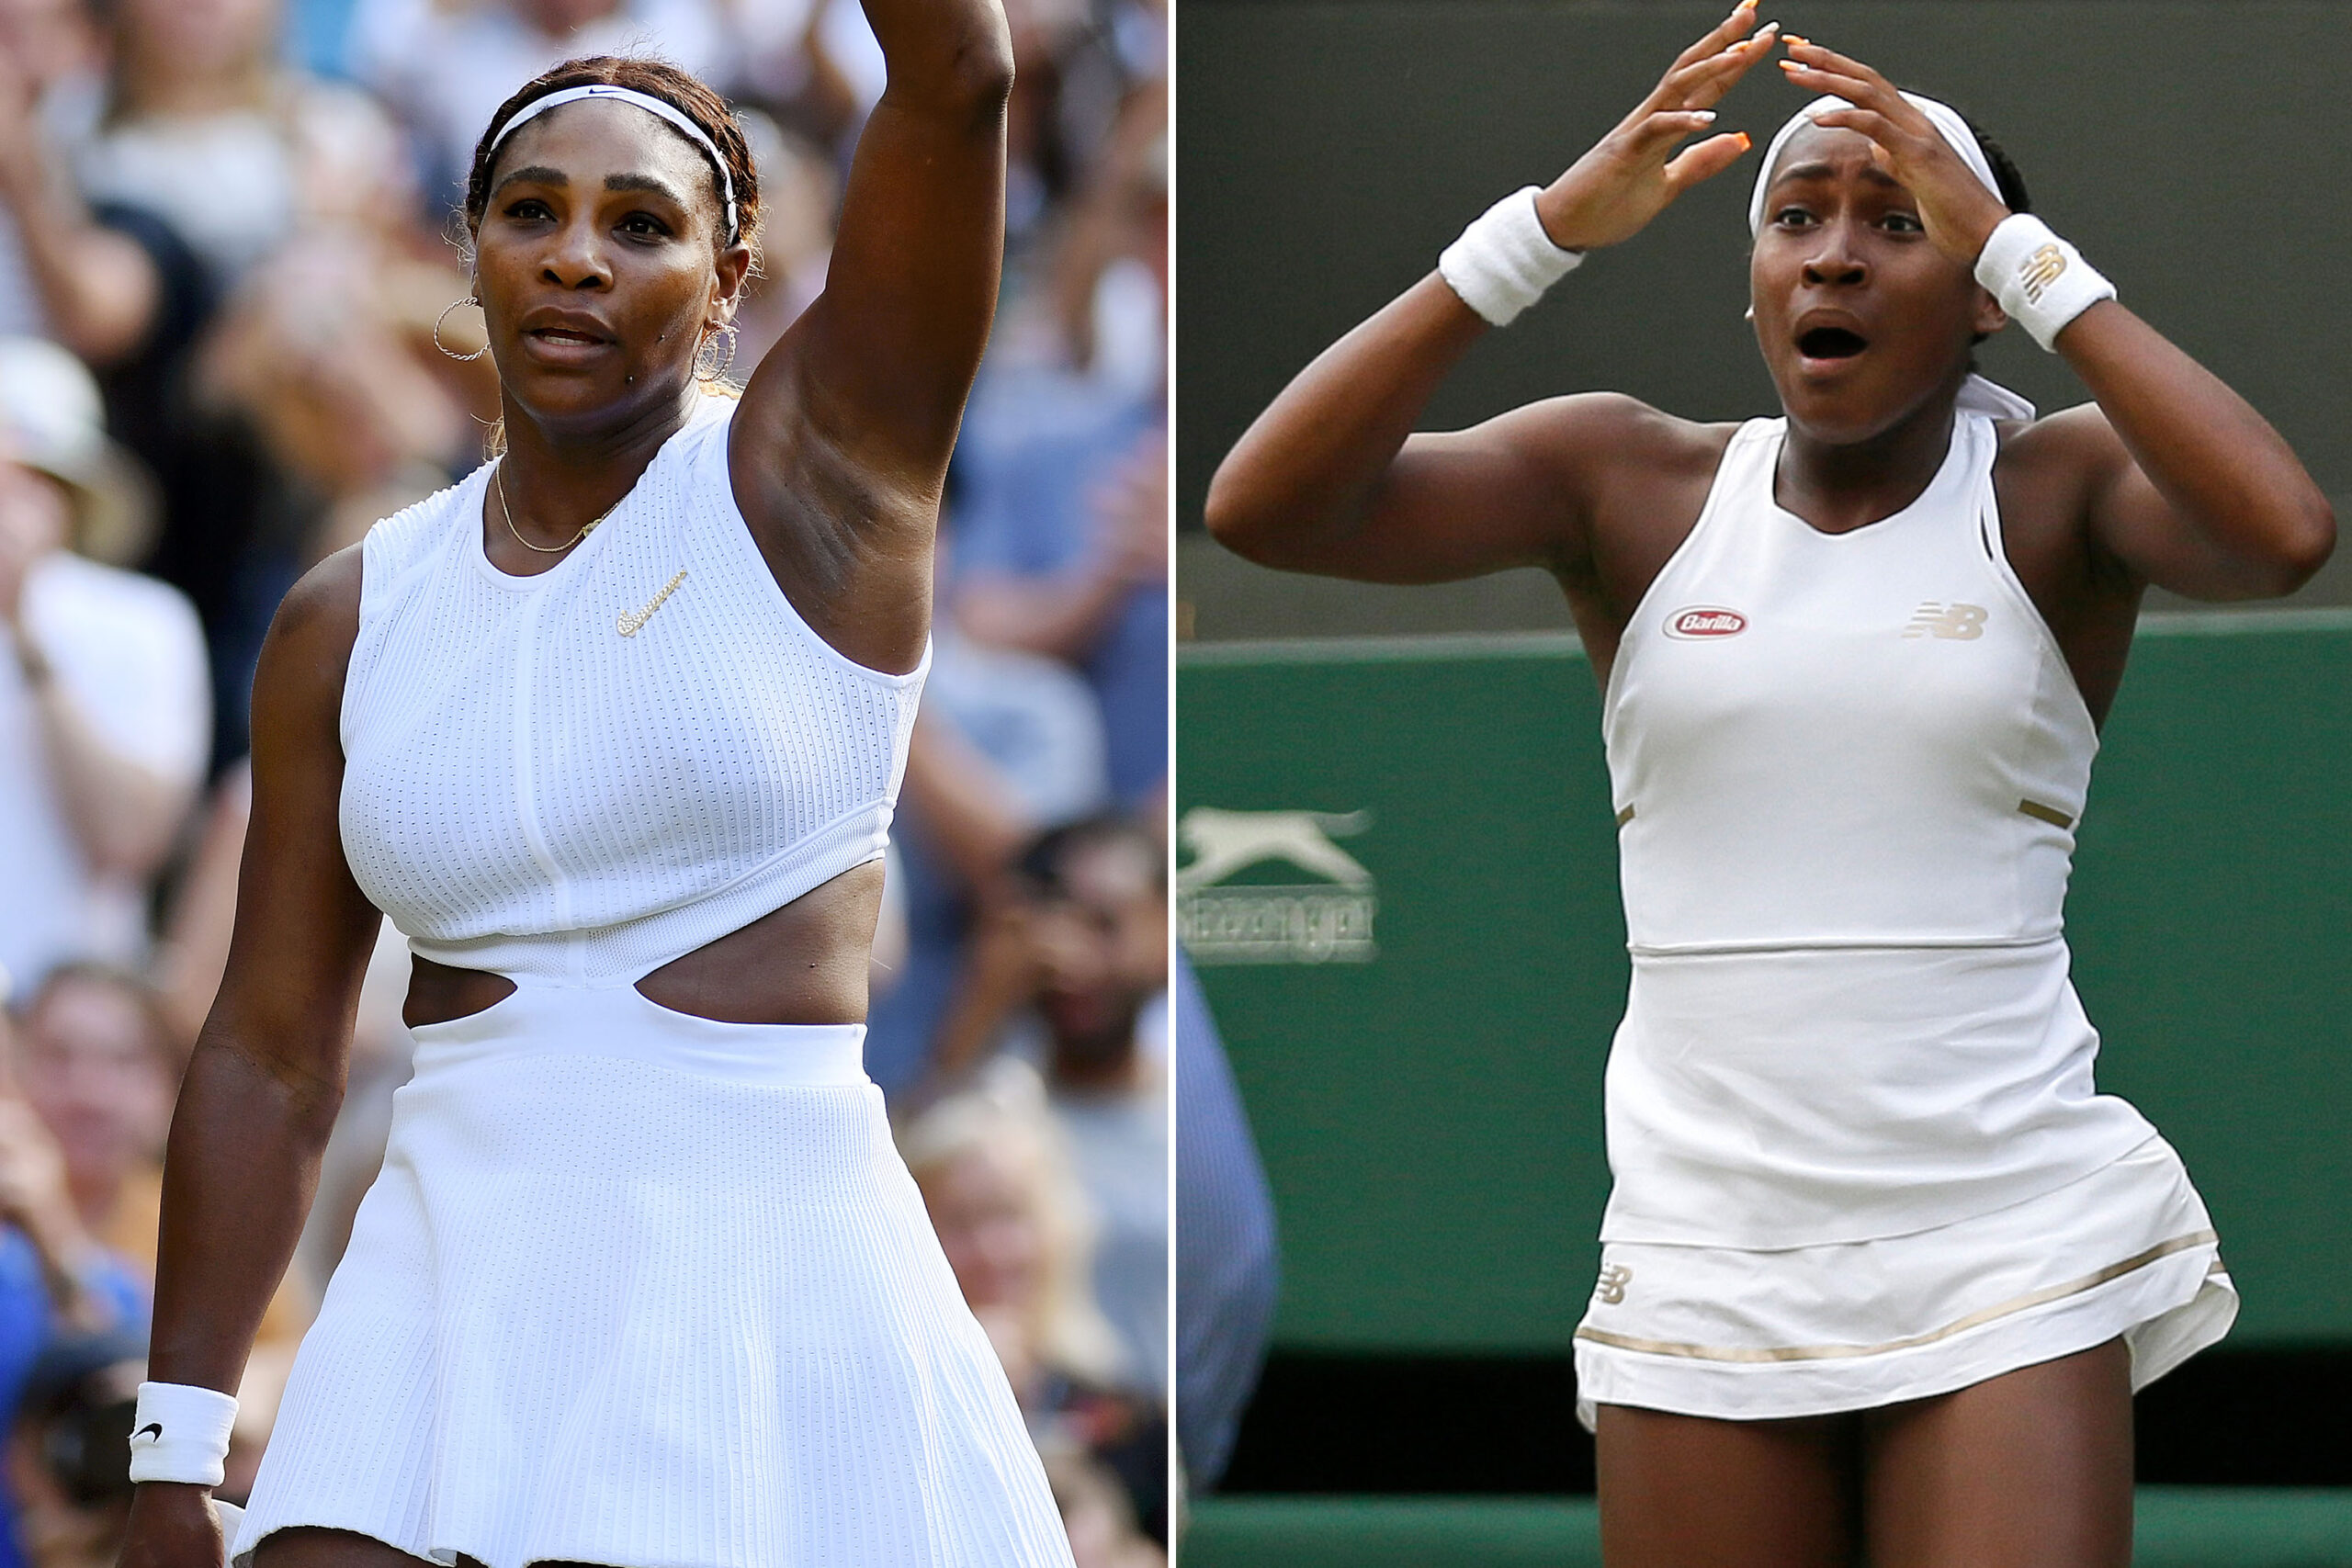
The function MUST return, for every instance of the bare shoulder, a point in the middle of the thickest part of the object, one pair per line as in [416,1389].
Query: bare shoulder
[310,637]
[2070,450]
[1659,436]
[2047,478]
[1597,433]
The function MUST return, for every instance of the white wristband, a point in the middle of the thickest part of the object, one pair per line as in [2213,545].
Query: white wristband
[181,1433]
[1504,261]
[2040,280]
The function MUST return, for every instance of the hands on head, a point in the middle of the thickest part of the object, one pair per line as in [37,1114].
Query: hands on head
[1957,212]
[1636,171]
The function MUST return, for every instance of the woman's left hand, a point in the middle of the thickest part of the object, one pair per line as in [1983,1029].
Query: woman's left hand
[1959,213]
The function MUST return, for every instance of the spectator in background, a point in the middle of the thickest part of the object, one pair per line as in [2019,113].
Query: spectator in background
[1227,1267]
[995,1178]
[1061,537]
[63,275]
[1097,892]
[96,1061]
[446,68]
[55,1282]
[203,125]
[1098,1514]
[226,159]
[1068,971]
[69,1451]
[798,190]
[104,717]
[1009,743]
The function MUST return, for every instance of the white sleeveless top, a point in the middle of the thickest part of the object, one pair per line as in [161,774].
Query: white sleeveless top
[1847,769]
[573,778]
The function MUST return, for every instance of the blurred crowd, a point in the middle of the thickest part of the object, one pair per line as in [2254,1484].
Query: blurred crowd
[226,244]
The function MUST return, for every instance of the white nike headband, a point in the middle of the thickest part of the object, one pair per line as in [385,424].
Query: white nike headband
[650,105]
[1978,394]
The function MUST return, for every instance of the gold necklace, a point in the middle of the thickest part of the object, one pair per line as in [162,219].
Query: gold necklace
[498,478]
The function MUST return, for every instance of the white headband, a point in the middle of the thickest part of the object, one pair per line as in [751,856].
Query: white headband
[651,106]
[1978,395]
[1944,117]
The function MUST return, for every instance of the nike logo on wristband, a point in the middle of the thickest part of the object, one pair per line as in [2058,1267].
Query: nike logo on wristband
[154,1426]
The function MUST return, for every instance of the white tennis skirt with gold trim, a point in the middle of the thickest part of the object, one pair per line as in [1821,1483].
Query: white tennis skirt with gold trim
[2127,1251]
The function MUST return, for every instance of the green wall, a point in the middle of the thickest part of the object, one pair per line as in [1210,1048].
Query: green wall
[1430,1109]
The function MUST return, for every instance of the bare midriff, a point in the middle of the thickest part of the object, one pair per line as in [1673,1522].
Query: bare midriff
[805,962]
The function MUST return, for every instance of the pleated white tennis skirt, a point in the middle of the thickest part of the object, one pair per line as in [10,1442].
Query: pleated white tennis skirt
[642,1289]
[2127,1251]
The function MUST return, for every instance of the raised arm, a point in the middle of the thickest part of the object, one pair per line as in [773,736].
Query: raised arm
[846,428]
[263,1085]
[894,341]
[2188,487]
[2172,476]
[1330,478]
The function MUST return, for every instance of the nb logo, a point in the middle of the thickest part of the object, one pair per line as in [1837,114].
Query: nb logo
[1613,1281]
[1961,623]
[2039,271]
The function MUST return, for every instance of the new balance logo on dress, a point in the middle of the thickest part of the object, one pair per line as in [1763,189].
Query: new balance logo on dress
[1961,623]
[1610,1290]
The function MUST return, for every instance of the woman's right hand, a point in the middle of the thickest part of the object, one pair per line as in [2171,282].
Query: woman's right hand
[1628,178]
[172,1525]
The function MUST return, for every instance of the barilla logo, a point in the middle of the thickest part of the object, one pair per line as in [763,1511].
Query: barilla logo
[1705,620]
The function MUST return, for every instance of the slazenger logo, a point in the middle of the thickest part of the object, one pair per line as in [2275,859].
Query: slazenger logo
[1316,922]
[1705,620]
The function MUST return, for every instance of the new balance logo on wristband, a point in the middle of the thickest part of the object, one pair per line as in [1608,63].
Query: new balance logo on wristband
[1960,622]
[2041,270]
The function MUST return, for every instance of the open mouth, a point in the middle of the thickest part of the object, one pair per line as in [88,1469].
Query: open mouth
[564,335]
[1830,343]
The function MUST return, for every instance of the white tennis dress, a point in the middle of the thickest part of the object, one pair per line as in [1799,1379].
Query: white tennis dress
[1857,1151]
[634,1287]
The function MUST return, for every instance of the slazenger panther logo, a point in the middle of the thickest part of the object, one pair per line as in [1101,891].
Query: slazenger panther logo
[1258,922]
[1705,620]
[1224,841]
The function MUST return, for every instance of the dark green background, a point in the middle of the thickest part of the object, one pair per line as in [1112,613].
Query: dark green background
[2198,154]
[1431,1120]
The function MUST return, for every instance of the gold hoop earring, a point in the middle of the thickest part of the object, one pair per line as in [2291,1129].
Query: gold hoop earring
[716,369]
[461,358]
